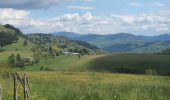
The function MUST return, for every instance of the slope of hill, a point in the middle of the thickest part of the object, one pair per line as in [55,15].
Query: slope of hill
[125,42]
[13,41]
[60,41]
[116,63]
[16,47]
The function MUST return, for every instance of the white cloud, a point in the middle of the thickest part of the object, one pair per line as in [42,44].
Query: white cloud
[81,7]
[88,0]
[87,23]
[128,19]
[12,14]
[136,4]
[148,23]
[156,4]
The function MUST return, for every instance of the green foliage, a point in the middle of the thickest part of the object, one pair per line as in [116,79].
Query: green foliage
[167,52]
[82,51]
[19,61]
[25,43]
[17,31]
[11,60]
[57,51]
[37,56]
[7,37]
[16,61]
[60,42]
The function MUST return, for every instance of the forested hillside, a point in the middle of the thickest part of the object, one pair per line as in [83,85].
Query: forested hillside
[63,43]
[7,36]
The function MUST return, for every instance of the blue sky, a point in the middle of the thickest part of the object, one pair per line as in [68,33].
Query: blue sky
[104,7]
[140,17]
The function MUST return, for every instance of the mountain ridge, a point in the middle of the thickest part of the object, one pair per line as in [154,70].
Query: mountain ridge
[122,41]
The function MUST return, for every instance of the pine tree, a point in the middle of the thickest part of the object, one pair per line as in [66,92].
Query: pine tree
[19,61]
[25,43]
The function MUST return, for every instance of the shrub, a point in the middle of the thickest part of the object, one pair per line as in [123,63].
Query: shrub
[150,72]
[41,68]
[48,69]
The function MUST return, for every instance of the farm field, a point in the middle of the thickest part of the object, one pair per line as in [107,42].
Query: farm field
[60,85]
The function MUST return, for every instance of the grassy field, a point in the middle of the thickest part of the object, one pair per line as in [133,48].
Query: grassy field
[115,63]
[132,63]
[92,86]
[63,63]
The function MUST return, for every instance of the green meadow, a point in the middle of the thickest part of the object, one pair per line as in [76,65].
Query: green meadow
[91,86]
[114,63]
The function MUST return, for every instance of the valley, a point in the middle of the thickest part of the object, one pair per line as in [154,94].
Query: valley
[60,68]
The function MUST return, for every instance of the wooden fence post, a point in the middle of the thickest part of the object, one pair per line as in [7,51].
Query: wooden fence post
[0,93]
[15,86]
[26,86]
[25,91]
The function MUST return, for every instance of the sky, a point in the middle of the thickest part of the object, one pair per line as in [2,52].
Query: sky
[139,17]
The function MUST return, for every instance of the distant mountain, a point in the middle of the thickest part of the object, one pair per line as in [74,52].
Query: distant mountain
[123,42]
[67,34]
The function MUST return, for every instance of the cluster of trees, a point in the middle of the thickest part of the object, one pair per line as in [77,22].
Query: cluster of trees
[9,34]
[82,51]
[7,38]
[16,30]
[16,61]
[40,52]
[62,42]
[54,51]
[25,43]
[167,51]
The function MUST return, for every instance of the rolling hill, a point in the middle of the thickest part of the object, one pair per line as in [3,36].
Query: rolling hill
[114,63]
[59,41]
[123,42]
[12,42]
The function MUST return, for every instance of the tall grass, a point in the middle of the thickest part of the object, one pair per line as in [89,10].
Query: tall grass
[95,86]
